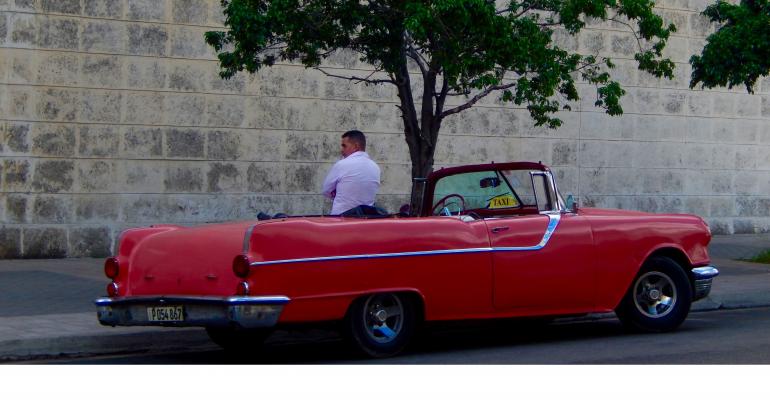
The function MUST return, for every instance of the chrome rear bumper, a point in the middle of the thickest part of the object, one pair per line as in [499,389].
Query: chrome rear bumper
[702,279]
[241,311]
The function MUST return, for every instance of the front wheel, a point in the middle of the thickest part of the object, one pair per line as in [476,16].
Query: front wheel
[382,324]
[659,298]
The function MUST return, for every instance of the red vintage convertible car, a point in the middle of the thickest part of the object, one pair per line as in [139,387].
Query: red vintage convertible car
[491,241]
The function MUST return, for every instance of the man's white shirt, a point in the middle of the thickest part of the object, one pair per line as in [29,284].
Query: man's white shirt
[356,179]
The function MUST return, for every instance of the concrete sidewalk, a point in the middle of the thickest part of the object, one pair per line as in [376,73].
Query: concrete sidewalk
[46,306]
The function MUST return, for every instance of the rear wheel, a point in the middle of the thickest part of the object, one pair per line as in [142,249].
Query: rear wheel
[659,299]
[381,325]
[239,340]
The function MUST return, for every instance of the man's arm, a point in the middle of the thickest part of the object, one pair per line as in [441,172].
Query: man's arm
[329,188]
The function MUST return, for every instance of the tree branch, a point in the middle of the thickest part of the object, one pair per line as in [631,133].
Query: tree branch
[476,98]
[358,79]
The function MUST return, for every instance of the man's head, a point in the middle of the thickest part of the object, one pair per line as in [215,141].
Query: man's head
[352,141]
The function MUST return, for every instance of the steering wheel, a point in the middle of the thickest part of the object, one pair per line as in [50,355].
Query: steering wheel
[443,200]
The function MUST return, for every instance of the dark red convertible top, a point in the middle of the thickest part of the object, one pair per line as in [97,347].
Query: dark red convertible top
[435,175]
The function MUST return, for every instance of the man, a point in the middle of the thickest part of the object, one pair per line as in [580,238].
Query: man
[353,180]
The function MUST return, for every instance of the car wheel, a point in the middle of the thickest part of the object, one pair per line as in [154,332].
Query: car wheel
[381,325]
[238,340]
[659,298]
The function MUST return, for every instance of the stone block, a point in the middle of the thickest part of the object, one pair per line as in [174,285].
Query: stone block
[104,36]
[58,69]
[746,183]
[143,208]
[190,11]
[147,39]
[224,177]
[140,142]
[224,145]
[370,117]
[622,181]
[592,42]
[623,44]
[187,76]
[17,137]
[47,209]
[303,178]
[394,178]
[100,106]
[674,102]
[597,153]
[98,141]
[748,105]
[724,104]
[265,113]
[700,25]
[382,148]
[58,33]
[19,103]
[24,5]
[657,154]
[265,177]
[188,110]
[146,10]
[183,178]
[44,242]
[224,111]
[721,182]
[53,176]
[97,176]
[660,128]
[62,6]
[146,74]
[96,208]
[564,153]
[144,108]
[103,71]
[142,177]
[88,241]
[3,27]
[262,145]
[236,84]
[603,126]
[10,242]
[58,104]
[720,226]
[312,146]
[678,49]
[22,30]
[15,175]
[746,157]
[648,101]
[188,42]
[306,205]
[23,65]
[765,108]
[747,206]
[184,143]
[103,8]
[53,140]
[16,208]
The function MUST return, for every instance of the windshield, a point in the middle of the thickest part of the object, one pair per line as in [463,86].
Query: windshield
[490,192]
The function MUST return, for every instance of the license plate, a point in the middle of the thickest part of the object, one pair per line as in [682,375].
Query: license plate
[163,314]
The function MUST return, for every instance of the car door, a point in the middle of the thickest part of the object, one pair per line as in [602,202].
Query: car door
[542,263]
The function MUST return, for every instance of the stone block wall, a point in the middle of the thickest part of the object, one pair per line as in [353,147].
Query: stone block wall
[112,115]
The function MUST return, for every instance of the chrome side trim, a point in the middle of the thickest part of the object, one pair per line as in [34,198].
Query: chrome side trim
[246,238]
[553,222]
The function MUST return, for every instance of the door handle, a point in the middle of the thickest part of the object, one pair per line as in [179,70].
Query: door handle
[500,229]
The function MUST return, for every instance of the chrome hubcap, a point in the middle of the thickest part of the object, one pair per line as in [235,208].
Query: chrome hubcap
[654,294]
[383,316]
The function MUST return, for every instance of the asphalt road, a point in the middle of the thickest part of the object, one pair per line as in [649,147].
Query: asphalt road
[714,337]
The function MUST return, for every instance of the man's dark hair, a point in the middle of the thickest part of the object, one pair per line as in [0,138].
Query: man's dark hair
[357,137]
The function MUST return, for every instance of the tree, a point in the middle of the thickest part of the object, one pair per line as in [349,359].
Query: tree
[739,51]
[465,48]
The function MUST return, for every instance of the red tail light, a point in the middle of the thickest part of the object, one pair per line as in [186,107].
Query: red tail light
[112,289]
[111,268]
[241,266]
